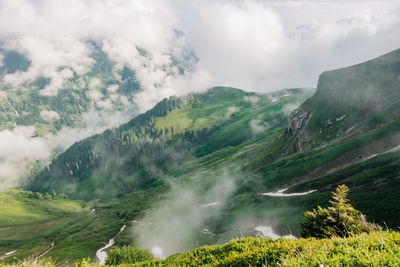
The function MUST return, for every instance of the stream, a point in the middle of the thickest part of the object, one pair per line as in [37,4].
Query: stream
[101,253]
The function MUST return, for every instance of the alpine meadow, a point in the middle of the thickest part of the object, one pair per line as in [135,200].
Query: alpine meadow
[199,133]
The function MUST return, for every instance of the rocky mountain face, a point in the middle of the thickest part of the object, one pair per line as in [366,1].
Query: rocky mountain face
[346,101]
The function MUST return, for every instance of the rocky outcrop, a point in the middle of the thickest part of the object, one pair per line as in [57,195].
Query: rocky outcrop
[297,121]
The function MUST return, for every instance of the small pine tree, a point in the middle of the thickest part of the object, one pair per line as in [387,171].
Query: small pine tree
[340,219]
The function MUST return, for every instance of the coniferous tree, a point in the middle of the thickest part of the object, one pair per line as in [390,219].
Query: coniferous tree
[340,219]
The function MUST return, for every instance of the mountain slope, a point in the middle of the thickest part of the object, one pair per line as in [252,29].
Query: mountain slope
[211,160]
[134,155]
[349,102]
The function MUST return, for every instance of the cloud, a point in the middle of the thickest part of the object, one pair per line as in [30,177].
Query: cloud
[94,83]
[257,125]
[93,122]
[17,147]
[250,44]
[177,46]
[57,81]
[172,224]
[48,55]
[230,111]
[269,45]
[49,115]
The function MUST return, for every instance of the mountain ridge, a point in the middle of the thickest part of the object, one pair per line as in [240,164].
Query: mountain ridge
[344,98]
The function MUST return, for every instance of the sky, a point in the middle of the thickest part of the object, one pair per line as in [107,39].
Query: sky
[256,45]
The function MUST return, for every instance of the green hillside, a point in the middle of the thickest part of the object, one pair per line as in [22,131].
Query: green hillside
[374,249]
[31,222]
[214,166]
[135,155]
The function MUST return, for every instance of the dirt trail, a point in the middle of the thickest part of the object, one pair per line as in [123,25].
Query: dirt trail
[33,258]
[45,251]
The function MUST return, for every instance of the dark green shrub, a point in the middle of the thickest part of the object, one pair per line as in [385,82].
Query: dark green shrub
[341,219]
[128,254]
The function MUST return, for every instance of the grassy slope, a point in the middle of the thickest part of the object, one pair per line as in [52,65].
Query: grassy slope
[128,158]
[375,249]
[30,225]
[75,226]
[255,164]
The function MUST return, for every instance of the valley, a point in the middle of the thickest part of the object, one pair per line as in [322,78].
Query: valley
[213,166]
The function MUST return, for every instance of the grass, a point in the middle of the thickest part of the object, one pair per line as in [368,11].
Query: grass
[379,248]
[29,225]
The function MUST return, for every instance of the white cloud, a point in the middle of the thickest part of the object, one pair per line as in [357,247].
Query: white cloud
[94,83]
[255,45]
[57,81]
[268,45]
[230,111]
[251,44]
[17,148]
[113,88]
[49,115]
[105,104]
[257,125]
[93,122]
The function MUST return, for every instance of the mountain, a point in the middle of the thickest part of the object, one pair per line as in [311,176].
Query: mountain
[208,167]
[136,154]
[349,102]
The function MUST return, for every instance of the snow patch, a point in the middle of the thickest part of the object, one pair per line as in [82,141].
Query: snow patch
[266,231]
[210,204]
[10,253]
[341,118]
[280,193]
[157,252]
[206,231]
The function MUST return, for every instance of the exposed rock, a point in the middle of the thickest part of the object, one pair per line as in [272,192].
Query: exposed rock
[297,121]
